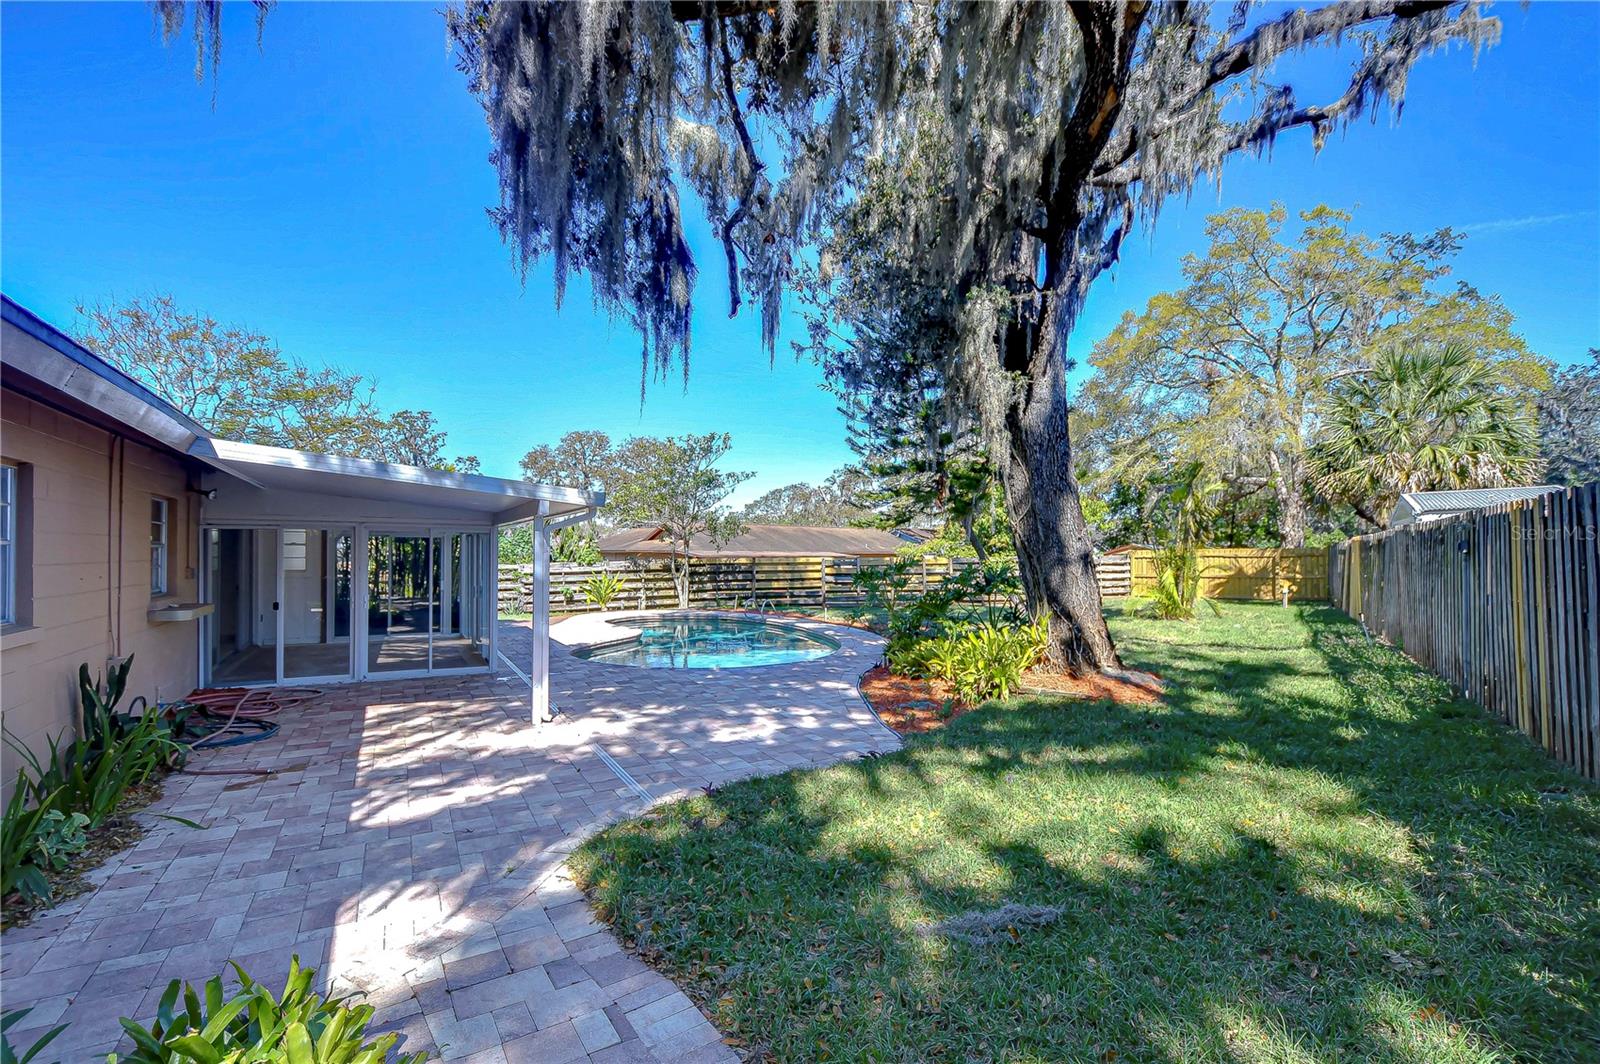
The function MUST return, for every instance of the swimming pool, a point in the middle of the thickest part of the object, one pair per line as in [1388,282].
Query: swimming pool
[694,641]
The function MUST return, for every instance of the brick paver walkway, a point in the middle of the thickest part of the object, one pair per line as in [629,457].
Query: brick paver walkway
[410,842]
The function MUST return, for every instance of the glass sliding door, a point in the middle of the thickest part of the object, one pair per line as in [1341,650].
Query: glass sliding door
[461,639]
[425,602]
[399,607]
[316,596]
[242,582]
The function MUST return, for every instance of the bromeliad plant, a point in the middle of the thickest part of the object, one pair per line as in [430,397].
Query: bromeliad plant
[296,1026]
[602,589]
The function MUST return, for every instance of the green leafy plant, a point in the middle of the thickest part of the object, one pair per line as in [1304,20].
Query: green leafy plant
[981,661]
[296,1026]
[602,589]
[20,870]
[8,1055]
[61,837]
[1176,590]
[89,778]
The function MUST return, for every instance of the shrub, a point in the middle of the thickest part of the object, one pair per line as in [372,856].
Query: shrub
[981,661]
[910,615]
[294,1027]
[602,589]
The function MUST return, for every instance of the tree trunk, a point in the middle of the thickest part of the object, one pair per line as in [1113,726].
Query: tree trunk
[1287,486]
[969,523]
[1024,424]
[680,576]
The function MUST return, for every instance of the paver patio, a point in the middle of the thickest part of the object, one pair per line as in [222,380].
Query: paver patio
[410,842]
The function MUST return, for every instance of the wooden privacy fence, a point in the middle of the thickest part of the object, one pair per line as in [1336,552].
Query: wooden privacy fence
[743,582]
[1504,603]
[1246,573]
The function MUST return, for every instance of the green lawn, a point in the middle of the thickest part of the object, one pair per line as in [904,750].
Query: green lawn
[1312,853]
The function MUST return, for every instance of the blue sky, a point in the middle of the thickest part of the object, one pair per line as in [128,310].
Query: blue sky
[334,199]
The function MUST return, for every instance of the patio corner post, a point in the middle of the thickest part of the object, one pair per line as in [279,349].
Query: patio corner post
[539,673]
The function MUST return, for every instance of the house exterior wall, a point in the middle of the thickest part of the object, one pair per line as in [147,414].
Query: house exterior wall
[83,569]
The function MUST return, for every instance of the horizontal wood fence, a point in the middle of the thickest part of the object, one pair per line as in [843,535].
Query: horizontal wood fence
[1504,603]
[1246,573]
[770,583]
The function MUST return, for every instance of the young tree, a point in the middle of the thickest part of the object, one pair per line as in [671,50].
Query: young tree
[674,483]
[1069,121]
[1236,368]
[1423,419]
[1569,423]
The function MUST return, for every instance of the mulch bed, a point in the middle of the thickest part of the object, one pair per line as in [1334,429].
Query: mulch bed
[909,706]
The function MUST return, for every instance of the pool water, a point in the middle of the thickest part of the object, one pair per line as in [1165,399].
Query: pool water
[708,643]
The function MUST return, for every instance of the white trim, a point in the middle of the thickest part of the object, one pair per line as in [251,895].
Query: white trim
[10,489]
[540,670]
[160,572]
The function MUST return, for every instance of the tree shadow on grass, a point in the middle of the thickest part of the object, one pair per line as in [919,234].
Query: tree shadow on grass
[1320,856]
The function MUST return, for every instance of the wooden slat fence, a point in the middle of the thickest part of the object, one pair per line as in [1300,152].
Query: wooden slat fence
[737,582]
[1247,573]
[1504,603]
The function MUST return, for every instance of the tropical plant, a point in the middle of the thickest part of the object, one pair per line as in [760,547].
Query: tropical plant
[20,869]
[1423,419]
[255,1025]
[602,589]
[980,661]
[1176,590]
[85,777]
[8,1055]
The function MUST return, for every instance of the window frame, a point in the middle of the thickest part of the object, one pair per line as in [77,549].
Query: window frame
[10,485]
[159,548]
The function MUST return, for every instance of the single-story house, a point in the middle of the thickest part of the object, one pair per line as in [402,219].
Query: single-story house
[1420,507]
[756,541]
[127,528]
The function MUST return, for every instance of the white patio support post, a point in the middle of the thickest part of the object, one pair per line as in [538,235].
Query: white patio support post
[539,671]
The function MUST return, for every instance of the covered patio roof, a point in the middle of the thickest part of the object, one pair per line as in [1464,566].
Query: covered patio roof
[496,500]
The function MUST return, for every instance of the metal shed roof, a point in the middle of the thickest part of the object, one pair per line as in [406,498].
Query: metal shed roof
[1425,502]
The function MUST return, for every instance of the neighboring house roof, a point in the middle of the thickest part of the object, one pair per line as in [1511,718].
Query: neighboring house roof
[1432,505]
[1128,547]
[41,360]
[759,541]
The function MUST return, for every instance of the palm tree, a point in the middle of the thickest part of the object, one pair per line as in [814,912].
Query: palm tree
[1422,419]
